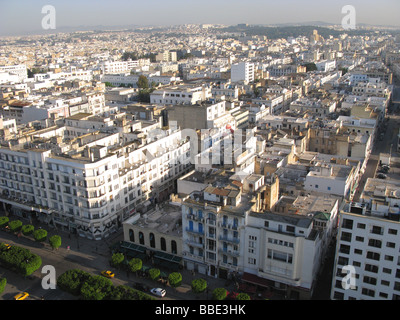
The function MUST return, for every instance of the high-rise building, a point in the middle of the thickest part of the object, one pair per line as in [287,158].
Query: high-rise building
[242,71]
[367,253]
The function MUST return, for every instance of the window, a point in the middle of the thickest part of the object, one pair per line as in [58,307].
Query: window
[369,280]
[131,235]
[346,236]
[290,229]
[344,249]
[375,243]
[360,225]
[141,238]
[371,268]
[152,240]
[390,245]
[368,292]
[347,224]
[163,244]
[376,230]
[373,255]
[392,231]
[174,247]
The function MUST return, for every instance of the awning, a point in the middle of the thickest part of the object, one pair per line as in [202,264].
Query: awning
[256,280]
[167,257]
[132,246]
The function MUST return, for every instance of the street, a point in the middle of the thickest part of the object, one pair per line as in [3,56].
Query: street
[87,255]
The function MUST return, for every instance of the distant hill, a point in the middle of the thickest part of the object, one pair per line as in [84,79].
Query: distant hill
[289,31]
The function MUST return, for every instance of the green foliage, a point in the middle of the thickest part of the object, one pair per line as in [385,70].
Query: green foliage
[242,296]
[3,282]
[96,288]
[20,260]
[79,282]
[108,84]
[40,235]
[4,221]
[142,82]
[154,273]
[135,264]
[15,225]
[129,56]
[71,281]
[175,279]
[122,292]
[27,229]
[219,294]
[55,241]
[310,67]
[199,285]
[117,259]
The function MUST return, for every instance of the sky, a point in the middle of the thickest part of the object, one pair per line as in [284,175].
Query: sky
[25,16]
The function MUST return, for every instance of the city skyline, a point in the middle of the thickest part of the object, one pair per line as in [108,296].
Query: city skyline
[25,17]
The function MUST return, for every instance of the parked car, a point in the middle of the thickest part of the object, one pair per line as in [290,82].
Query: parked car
[108,274]
[159,292]
[21,296]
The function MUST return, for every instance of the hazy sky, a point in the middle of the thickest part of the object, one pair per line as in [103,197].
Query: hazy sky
[22,16]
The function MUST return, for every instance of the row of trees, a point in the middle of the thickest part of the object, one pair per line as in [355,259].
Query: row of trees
[93,287]
[19,259]
[174,279]
[40,235]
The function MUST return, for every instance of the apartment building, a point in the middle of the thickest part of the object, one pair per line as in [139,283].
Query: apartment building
[243,71]
[181,94]
[367,253]
[19,70]
[91,183]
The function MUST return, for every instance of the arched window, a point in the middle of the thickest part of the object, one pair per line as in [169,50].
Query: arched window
[131,235]
[141,238]
[163,244]
[173,247]
[152,240]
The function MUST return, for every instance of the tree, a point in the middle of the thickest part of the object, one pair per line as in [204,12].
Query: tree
[135,264]
[72,280]
[142,82]
[219,294]
[199,285]
[96,288]
[117,259]
[4,221]
[310,67]
[154,273]
[242,296]
[55,241]
[15,225]
[175,279]
[20,260]
[3,282]
[27,229]
[40,235]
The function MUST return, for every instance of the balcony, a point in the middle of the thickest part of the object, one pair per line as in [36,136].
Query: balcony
[194,243]
[194,231]
[233,253]
[229,239]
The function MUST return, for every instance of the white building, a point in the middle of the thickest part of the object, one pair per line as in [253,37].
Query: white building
[19,70]
[181,94]
[90,183]
[243,71]
[367,253]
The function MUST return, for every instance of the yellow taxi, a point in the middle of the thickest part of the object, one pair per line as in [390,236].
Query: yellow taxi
[21,296]
[108,274]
